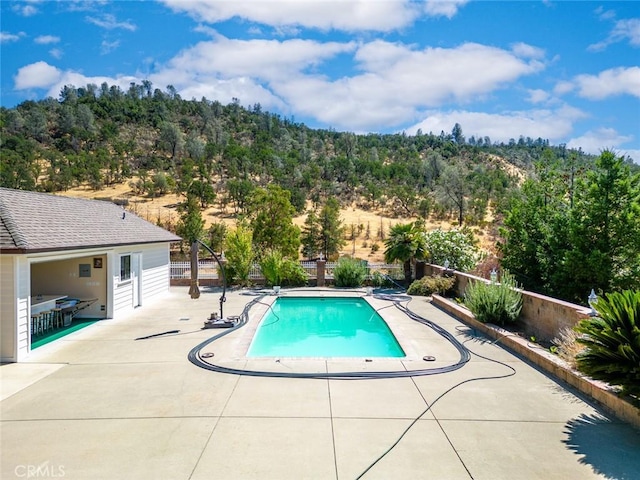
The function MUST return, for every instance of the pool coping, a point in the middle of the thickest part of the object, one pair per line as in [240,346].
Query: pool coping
[257,313]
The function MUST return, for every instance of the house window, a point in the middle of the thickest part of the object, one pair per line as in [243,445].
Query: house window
[125,267]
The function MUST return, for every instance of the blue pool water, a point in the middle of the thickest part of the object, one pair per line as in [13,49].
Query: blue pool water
[323,327]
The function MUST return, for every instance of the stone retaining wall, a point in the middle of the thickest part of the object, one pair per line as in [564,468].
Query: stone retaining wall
[541,317]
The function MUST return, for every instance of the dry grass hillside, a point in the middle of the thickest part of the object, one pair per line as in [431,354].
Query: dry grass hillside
[163,210]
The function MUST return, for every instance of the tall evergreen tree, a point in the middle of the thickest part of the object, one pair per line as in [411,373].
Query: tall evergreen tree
[604,232]
[564,250]
[191,224]
[311,236]
[271,219]
[332,234]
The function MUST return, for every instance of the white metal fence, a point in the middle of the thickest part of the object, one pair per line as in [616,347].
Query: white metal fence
[208,269]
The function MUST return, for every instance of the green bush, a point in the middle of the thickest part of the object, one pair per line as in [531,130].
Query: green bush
[498,303]
[429,285]
[278,270]
[271,267]
[612,341]
[350,272]
[456,246]
[378,279]
[239,255]
[293,275]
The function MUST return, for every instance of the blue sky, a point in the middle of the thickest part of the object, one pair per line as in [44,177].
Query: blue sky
[564,71]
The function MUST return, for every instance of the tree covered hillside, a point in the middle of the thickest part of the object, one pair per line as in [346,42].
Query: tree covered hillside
[102,135]
[229,156]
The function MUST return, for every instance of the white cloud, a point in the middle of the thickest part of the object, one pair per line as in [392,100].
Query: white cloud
[594,141]
[553,125]
[622,30]
[538,96]
[605,14]
[83,5]
[26,9]
[45,76]
[109,22]
[56,53]
[392,81]
[347,15]
[46,39]
[36,75]
[108,47]
[6,37]
[524,50]
[264,59]
[615,81]
[563,87]
[443,8]
[396,81]
[241,88]
[634,154]
[628,29]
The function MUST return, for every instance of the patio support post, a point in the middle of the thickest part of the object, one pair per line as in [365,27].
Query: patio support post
[320,272]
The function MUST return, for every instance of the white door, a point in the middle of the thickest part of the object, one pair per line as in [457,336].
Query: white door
[136,280]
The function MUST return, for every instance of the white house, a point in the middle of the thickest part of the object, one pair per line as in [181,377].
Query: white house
[53,246]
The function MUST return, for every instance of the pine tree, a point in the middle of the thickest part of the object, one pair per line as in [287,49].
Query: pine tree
[311,236]
[332,234]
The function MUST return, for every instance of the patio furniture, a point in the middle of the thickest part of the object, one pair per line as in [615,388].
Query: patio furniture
[58,321]
[72,306]
[35,323]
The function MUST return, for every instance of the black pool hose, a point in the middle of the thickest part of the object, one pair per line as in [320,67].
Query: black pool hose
[197,359]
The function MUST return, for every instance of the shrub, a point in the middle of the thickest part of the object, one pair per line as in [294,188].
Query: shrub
[239,254]
[350,272]
[378,279]
[271,267]
[567,346]
[293,275]
[278,270]
[498,303]
[612,341]
[429,285]
[456,246]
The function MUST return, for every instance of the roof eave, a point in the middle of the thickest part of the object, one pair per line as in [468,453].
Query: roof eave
[18,251]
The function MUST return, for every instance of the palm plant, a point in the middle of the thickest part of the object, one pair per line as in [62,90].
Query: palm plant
[613,341]
[406,243]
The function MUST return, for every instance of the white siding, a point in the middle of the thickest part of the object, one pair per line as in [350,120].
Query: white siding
[8,304]
[155,270]
[154,276]
[14,312]
[24,304]
[122,292]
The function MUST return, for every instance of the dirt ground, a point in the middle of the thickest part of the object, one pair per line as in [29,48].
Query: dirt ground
[366,224]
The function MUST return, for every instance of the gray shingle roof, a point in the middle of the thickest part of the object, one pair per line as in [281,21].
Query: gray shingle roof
[33,221]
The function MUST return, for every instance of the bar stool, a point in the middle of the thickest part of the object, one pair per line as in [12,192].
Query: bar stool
[47,318]
[57,320]
[35,320]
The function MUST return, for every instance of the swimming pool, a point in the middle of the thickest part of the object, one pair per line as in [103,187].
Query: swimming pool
[323,327]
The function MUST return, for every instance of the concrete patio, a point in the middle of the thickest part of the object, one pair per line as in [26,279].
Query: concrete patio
[99,404]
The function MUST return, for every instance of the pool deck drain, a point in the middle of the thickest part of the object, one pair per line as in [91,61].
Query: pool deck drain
[99,404]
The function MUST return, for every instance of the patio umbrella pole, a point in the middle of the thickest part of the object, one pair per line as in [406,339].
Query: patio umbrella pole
[214,321]
[194,290]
